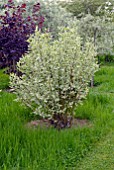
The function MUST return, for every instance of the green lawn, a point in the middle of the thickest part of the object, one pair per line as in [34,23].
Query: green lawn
[22,148]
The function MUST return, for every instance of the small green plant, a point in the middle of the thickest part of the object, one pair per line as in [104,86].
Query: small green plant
[55,75]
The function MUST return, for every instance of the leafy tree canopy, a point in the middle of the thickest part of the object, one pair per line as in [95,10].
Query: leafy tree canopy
[82,7]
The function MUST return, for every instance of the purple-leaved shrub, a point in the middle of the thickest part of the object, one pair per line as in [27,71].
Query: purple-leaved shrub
[15,29]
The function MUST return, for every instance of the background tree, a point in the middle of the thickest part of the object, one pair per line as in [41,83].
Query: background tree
[99,31]
[95,22]
[83,7]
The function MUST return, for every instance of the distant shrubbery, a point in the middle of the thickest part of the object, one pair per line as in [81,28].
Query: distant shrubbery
[95,23]
[55,16]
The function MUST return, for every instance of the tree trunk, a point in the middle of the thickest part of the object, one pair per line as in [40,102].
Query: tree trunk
[61,121]
[92,82]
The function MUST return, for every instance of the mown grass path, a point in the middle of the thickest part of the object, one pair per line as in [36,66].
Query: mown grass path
[102,157]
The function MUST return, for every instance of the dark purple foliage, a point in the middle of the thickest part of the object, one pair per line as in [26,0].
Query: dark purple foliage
[15,29]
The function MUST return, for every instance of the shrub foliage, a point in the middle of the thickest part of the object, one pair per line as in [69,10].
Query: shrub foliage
[55,75]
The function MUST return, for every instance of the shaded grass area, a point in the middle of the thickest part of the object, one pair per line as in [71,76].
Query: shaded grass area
[22,148]
[4,80]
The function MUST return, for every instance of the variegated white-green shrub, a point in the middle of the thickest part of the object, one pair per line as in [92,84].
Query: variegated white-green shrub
[55,74]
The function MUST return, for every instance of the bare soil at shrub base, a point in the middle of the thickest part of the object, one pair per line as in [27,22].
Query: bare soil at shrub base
[77,122]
